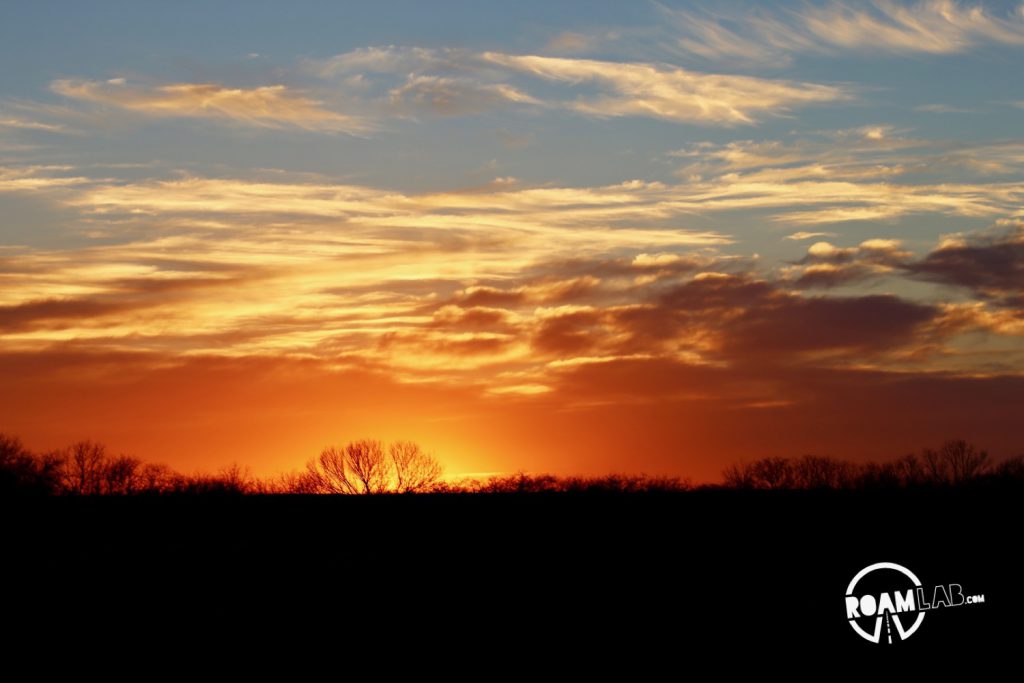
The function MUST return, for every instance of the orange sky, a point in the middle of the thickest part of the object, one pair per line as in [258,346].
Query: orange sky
[620,416]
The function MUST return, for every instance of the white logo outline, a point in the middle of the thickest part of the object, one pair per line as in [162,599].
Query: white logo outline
[876,636]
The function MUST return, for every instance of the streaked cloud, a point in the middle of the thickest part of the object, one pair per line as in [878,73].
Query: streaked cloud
[272,106]
[27,124]
[574,42]
[803,235]
[669,93]
[452,97]
[768,35]
[462,81]
[39,177]
[938,108]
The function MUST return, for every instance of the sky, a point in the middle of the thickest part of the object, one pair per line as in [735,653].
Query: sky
[567,237]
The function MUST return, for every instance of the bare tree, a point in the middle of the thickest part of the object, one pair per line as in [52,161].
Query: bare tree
[329,473]
[84,468]
[414,469]
[965,461]
[936,468]
[121,475]
[360,467]
[156,478]
[773,473]
[819,472]
[23,472]
[369,465]
[737,476]
[912,471]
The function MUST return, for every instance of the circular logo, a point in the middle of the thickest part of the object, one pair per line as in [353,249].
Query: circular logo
[886,598]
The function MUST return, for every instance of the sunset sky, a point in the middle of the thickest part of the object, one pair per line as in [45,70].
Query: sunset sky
[573,237]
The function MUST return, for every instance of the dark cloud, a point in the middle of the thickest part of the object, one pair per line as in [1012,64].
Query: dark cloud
[490,296]
[569,333]
[123,295]
[454,318]
[858,325]
[991,267]
[739,318]
[827,278]
[825,266]
[56,313]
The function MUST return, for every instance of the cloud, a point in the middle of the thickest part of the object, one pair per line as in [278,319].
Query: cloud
[802,235]
[27,315]
[572,42]
[864,174]
[884,26]
[494,213]
[25,124]
[39,177]
[455,97]
[461,81]
[991,264]
[826,265]
[738,318]
[489,286]
[669,93]
[390,59]
[273,106]
[938,108]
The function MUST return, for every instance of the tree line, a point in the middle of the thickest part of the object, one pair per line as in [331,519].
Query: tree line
[368,466]
[955,463]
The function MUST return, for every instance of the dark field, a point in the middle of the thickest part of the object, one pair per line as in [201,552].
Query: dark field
[667,575]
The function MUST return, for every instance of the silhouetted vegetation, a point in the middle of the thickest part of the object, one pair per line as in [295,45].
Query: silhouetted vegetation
[363,467]
[366,466]
[955,463]
[522,482]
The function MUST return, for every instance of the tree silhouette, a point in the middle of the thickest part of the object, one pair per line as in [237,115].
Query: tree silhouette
[367,467]
[84,468]
[415,470]
[954,463]
[965,461]
[23,473]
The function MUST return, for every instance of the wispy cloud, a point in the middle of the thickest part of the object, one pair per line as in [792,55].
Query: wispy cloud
[26,124]
[670,93]
[928,26]
[803,235]
[574,42]
[462,81]
[273,106]
[869,173]
[454,96]
[939,108]
[34,178]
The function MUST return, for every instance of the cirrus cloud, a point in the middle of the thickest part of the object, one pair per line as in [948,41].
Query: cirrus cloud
[272,106]
[767,35]
[669,93]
